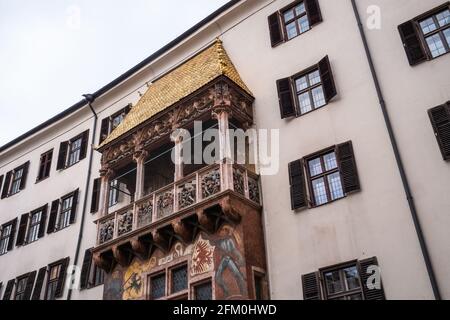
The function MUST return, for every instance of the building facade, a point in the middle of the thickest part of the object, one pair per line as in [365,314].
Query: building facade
[102,202]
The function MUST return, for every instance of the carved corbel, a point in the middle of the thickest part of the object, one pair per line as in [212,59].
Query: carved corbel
[205,221]
[103,263]
[181,229]
[160,241]
[121,256]
[139,249]
[230,212]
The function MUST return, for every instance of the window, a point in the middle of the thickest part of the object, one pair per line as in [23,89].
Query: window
[91,275]
[330,175]
[98,276]
[157,286]
[203,291]
[112,122]
[52,282]
[20,288]
[343,284]
[179,279]
[45,165]
[440,120]
[55,279]
[15,180]
[35,225]
[428,36]
[293,20]
[72,151]
[307,91]
[258,281]
[7,236]
[113,192]
[349,281]
[436,30]
[325,179]
[66,210]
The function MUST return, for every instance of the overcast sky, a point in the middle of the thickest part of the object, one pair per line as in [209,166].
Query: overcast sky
[53,51]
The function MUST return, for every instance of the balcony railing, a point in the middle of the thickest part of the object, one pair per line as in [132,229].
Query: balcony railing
[192,190]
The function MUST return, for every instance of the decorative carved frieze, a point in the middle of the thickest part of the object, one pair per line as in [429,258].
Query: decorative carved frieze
[210,183]
[106,231]
[164,203]
[125,223]
[145,213]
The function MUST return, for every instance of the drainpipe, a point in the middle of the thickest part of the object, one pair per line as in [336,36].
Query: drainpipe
[89,99]
[401,168]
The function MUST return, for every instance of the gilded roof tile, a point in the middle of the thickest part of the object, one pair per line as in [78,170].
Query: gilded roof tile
[178,84]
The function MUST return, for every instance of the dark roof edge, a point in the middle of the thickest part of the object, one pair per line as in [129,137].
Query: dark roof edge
[124,76]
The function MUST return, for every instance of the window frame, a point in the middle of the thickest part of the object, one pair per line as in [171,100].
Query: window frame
[16,180]
[295,19]
[62,211]
[46,159]
[193,286]
[422,36]
[3,237]
[173,295]
[20,279]
[114,191]
[309,89]
[36,225]
[320,154]
[340,268]
[77,150]
[54,281]
[161,273]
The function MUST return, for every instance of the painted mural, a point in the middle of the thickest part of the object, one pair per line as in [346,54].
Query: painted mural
[219,255]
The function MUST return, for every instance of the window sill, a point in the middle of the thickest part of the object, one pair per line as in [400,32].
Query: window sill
[40,180]
[70,166]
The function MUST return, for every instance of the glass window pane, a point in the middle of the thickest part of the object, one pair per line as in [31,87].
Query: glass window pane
[355,297]
[335,184]
[158,286]
[320,194]
[330,161]
[447,35]
[428,25]
[288,15]
[314,77]
[305,102]
[315,167]
[303,24]
[291,29]
[436,46]
[352,278]
[179,280]
[443,18]
[319,97]
[333,282]
[203,291]
[301,84]
[300,9]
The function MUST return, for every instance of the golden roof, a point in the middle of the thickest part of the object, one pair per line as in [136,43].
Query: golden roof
[192,75]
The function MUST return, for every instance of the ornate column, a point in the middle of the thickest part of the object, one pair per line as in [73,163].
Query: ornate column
[222,112]
[139,157]
[177,138]
[105,174]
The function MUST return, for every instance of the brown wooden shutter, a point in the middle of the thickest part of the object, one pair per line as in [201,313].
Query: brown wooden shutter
[412,44]
[347,167]
[95,195]
[440,120]
[127,109]
[43,221]
[1,182]
[23,180]
[86,268]
[84,144]
[63,149]
[12,235]
[39,282]
[29,286]
[313,12]
[53,216]
[104,130]
[311,286]
[6,185]
[73,211]
[299,197]
[9,289]
[370,293]
[62,278]
[326,75]
[22,229]
[285,97]
[275,30]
